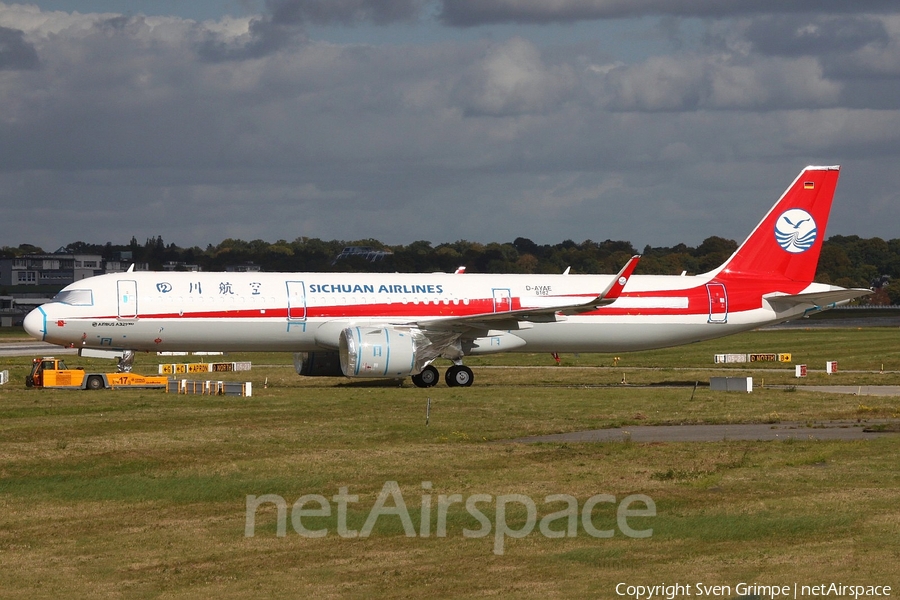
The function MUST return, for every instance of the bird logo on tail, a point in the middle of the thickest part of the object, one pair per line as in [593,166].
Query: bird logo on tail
[795,230]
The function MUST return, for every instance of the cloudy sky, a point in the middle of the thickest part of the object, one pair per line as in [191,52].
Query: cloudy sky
[653,121]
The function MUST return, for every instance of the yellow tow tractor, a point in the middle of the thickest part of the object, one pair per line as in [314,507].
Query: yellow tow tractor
[49,372]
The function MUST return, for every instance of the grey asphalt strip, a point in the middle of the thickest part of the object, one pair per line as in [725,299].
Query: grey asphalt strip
[33,348]
[858,390]
[830,430]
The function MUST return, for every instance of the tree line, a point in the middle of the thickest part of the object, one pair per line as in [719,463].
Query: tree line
[848,261]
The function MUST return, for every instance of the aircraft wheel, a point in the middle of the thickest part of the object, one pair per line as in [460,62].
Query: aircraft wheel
[459,376]
[94,383]
[427,378]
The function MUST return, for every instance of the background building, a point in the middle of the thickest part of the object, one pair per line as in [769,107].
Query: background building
[49,269]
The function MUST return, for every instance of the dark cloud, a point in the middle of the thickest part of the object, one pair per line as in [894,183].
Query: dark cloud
[16,54]
[343,12]
[856,54]
[794,35]
[468,13]
[283,24]
[264,37]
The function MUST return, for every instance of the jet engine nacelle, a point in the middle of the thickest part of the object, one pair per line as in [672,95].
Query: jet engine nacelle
[318,364]
[378,352]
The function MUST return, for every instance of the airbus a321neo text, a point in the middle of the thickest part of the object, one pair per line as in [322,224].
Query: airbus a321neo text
[396,325]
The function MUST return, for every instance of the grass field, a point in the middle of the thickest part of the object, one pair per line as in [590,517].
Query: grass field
[141,494]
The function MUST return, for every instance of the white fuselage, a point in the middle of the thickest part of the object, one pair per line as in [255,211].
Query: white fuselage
[300,312]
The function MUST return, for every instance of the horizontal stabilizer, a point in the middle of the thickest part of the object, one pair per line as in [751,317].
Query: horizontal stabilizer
[825,298]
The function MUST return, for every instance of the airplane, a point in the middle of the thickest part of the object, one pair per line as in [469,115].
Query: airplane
[376,325]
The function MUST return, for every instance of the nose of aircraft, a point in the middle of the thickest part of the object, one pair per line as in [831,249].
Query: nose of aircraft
[34,324]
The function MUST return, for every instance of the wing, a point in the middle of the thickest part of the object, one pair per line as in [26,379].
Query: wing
[548,312]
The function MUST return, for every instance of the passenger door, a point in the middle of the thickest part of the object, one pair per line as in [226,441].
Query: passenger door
[718,303]
[128,303]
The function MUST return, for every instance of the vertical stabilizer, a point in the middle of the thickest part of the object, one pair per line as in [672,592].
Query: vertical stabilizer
[787,242]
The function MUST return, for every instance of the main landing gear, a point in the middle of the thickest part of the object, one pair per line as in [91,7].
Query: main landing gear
[456,376]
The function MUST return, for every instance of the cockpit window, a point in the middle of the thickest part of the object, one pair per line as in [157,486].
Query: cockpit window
[75,297]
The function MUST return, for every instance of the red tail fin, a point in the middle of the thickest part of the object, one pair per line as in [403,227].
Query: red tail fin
[787,242]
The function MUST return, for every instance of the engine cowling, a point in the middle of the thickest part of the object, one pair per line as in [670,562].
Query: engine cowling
[378,352]
[318,364]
